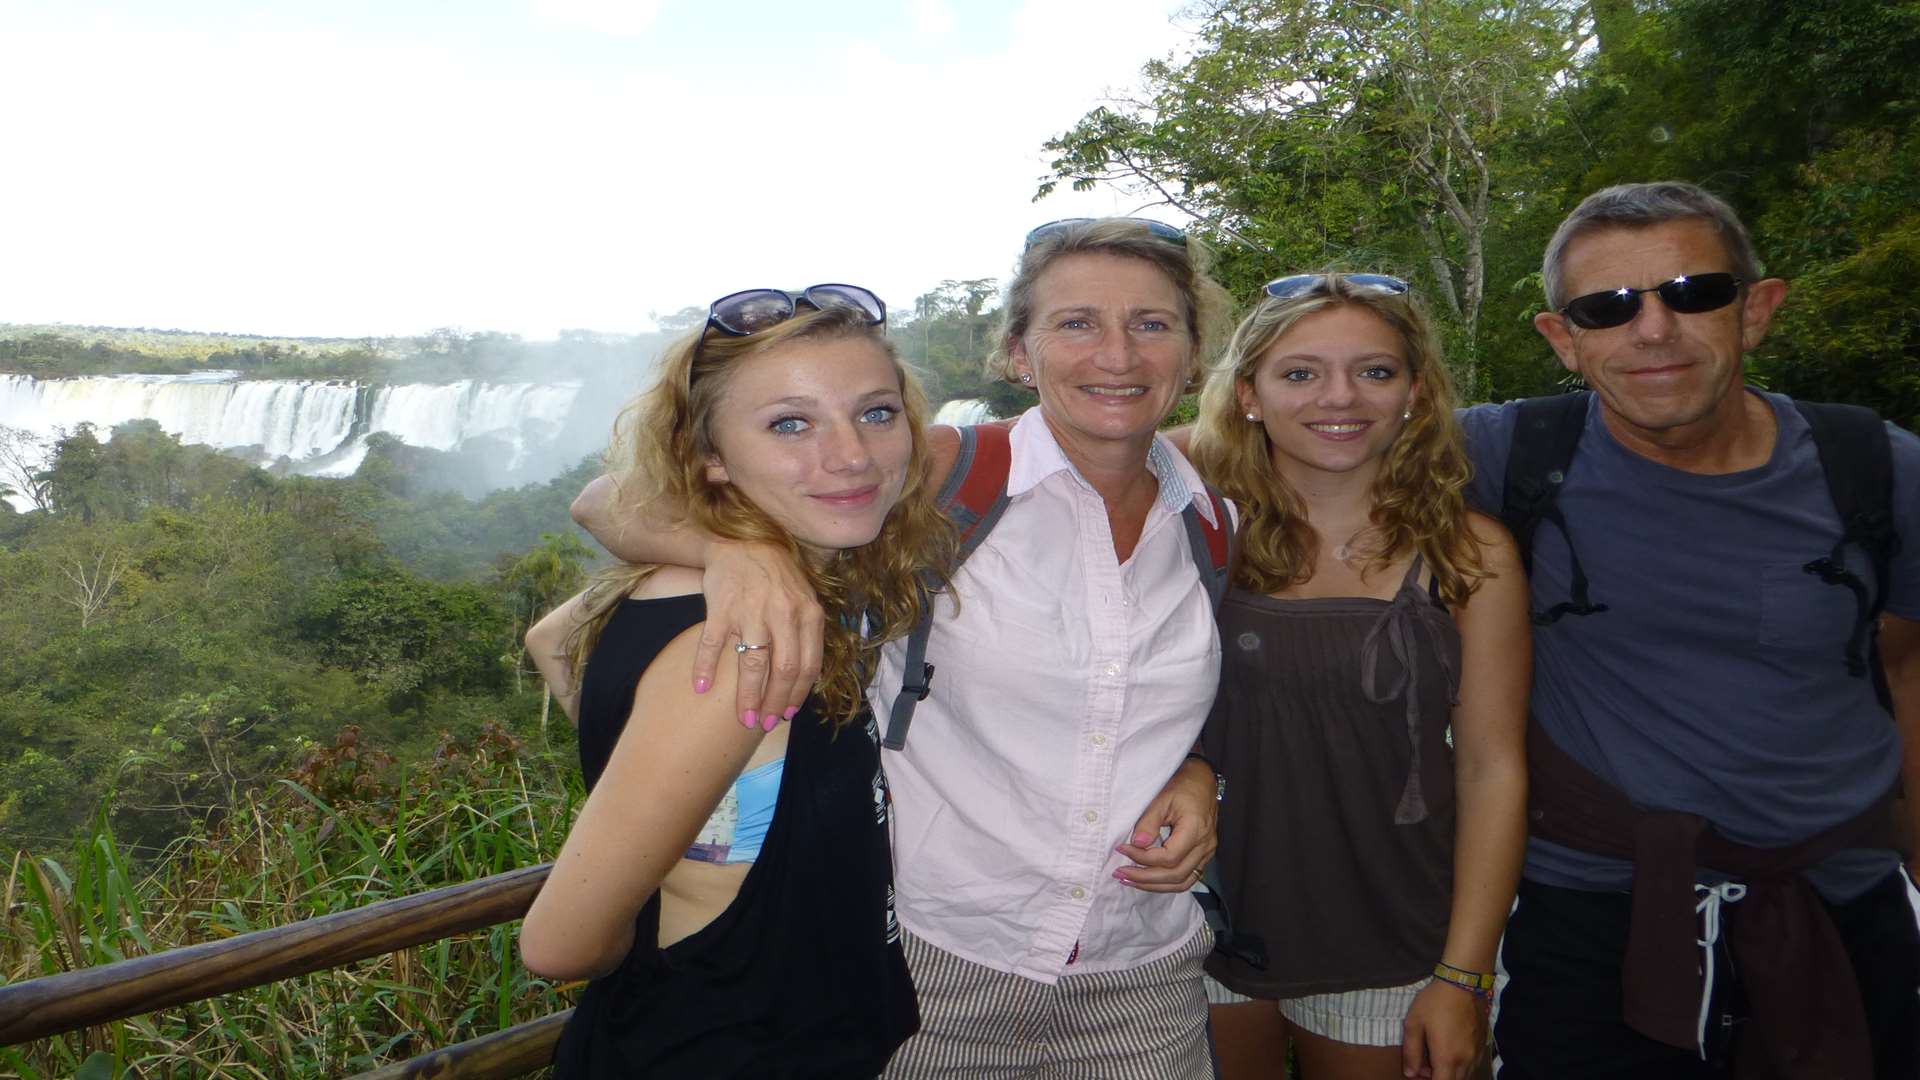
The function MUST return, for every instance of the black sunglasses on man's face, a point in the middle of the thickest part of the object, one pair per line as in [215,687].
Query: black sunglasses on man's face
[1688,294]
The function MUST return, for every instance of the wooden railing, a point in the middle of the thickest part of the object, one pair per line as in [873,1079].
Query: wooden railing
[77,999]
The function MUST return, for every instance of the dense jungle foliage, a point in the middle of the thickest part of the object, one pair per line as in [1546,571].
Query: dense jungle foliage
[188,636]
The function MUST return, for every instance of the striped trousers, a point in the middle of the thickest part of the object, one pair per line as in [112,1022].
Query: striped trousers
[1144,1023]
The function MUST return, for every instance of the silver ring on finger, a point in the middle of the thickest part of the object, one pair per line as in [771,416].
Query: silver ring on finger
[743,647]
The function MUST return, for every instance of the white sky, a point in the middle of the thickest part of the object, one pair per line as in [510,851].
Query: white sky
[353,167]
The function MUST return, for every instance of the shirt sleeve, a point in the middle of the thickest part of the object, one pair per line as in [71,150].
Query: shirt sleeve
[1489,433]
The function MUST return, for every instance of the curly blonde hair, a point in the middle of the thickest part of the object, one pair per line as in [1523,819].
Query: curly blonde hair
[662,445]
[1418,500]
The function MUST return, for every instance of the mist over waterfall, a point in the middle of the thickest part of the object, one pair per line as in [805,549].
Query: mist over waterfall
[529,431]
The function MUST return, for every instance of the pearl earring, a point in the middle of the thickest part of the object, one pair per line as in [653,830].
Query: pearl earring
[1408,415]
[1253,418]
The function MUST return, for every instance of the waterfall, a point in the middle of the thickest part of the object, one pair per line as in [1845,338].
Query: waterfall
[319,427]
[963,411]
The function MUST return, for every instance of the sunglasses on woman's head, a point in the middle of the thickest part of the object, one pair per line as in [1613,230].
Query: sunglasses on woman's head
[1688,294]
[1300,284]
[753,310]
[1160,229]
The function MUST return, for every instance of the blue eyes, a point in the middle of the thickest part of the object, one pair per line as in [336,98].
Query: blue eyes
[880,415]
[1373,374]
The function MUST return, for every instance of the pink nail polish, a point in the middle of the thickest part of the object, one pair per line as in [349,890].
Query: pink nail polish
[751,719]
[702,685]
[768,723]
[1141,839]
[746,720]
[791,712]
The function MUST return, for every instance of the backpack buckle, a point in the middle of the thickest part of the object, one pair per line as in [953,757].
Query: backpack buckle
[921,689]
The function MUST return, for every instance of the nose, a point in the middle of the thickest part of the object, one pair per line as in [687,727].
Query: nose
[1337,389]
[1114,352]
[1655,322]
[843,449]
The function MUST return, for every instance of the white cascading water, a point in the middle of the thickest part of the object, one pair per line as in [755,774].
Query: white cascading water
[312,424]
[963,411]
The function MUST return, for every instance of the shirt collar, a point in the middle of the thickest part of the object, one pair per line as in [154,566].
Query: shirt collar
[1037,455]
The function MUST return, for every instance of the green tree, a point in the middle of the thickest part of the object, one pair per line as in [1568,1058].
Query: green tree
[1323,133]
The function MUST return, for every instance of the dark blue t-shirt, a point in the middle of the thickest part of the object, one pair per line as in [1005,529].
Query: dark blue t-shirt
[1716,682]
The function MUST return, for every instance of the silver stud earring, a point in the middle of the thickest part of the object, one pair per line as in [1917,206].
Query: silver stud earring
[1408,415]
[1026,378]
[1253,418]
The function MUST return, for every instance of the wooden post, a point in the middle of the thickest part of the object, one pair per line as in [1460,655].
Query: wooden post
[76,999]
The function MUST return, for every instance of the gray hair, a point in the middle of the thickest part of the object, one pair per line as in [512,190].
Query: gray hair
[1639,206]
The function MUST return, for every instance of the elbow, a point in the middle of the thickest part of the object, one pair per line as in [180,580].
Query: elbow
[551,955]
[590,505]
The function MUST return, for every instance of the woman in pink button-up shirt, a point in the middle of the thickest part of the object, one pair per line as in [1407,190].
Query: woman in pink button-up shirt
[1048,819]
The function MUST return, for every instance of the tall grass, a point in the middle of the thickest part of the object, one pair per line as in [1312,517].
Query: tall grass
[348,828]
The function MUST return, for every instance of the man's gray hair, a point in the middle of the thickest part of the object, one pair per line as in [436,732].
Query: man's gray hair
[1637,206]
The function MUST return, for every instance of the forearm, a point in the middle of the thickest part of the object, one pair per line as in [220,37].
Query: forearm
[638,534]
[1490,839]
[1900,658]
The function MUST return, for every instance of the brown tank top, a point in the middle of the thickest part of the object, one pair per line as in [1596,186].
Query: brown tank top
[1336,835]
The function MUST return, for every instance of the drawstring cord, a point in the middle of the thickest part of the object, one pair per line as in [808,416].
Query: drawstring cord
[1711,897]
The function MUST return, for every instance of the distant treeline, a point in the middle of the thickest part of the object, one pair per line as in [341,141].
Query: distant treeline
[179,624]
[437,357]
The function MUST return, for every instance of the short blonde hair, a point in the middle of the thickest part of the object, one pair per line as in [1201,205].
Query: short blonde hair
[1209,307]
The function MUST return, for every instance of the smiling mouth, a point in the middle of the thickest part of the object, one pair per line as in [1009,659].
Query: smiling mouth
[1341,429]
[857,497]
[1115,391]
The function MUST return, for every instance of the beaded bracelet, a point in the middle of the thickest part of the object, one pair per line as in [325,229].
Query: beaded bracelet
[1479,984]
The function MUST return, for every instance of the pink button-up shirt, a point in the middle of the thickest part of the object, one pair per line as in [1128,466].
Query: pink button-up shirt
[1069,689]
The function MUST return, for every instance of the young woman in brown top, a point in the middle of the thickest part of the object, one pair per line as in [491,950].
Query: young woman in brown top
[1373,694]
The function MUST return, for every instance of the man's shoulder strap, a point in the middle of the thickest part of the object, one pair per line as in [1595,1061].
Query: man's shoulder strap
[973,498]
[1856,458]
[1546,432]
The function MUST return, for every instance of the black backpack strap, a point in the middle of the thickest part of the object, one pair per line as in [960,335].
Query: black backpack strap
[973,498]
[1856,458]
[1545,434]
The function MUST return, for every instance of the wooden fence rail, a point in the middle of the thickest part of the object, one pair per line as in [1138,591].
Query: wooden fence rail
[76,999]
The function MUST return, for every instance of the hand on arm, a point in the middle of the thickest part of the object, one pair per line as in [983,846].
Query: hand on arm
[1900,658]
[674,761]
[1186,805]
[547,647]
[755,593]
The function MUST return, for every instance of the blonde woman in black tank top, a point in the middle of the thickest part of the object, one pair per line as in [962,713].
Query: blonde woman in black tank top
[787,419]
[1373,695]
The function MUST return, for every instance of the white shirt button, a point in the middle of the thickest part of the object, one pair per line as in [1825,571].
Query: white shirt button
[1113,669]
[1097,739]
[1077,893]
[1093,815]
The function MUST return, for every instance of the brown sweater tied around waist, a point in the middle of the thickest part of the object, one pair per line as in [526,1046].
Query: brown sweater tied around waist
[1808,1019]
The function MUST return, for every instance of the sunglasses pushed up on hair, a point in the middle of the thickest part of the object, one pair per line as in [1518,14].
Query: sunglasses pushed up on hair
[1300,284]
[1688,294]
[751,311]
[1160,230]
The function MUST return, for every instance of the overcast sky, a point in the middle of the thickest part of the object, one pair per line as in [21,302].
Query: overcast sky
[354,167]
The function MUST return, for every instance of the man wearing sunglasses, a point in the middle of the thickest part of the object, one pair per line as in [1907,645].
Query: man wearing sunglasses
[1710,881]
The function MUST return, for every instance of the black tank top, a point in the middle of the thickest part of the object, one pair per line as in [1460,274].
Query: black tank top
[803,974]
